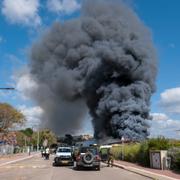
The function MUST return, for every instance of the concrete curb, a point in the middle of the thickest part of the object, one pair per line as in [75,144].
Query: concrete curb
[17,160]
[144,173]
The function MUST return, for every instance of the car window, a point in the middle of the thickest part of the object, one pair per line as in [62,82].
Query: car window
[64,150]
[86,149]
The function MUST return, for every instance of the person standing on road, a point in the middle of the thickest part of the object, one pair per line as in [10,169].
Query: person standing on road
[110,158]
[47,152]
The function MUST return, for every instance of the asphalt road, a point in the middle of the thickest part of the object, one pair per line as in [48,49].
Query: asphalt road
[38,169]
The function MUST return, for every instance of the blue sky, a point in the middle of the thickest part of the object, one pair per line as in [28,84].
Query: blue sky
[19,30]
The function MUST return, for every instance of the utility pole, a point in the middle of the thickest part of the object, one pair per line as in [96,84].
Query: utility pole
[122,148]
[38,140]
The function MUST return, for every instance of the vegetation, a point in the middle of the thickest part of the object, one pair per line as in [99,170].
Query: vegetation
[9,116]
[28,137]
[174,153]
[160,143]
[139,152]
[43,135]
[27,132]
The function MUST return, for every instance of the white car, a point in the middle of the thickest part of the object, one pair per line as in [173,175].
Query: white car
[63,156]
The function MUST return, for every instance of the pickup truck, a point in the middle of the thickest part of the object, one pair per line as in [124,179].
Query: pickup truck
[63,156]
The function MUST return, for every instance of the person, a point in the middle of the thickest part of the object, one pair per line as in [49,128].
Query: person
[47,151]
[110,158]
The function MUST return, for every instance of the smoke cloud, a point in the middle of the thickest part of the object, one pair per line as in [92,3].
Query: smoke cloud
[103,62]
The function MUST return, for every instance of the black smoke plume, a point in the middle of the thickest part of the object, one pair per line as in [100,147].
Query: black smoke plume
[103,62]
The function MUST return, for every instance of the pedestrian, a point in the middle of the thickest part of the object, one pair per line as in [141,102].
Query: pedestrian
[47,151]
[110,158]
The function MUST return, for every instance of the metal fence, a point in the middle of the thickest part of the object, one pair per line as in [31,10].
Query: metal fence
[6,149]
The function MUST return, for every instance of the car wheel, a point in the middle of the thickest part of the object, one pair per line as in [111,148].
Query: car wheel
[98,168]
[54,164]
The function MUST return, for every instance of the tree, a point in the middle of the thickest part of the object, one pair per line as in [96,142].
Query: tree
[44,134]
[28,132]
[20,138]
[9,117]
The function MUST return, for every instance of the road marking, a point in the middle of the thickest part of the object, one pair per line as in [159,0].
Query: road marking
[15,166]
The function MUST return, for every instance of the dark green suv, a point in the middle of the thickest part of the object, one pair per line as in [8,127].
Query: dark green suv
[88,157]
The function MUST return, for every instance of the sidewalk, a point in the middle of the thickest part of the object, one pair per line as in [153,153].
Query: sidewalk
[148,172]
[7,159]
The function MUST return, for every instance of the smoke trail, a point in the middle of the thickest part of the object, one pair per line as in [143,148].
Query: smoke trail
[104,62]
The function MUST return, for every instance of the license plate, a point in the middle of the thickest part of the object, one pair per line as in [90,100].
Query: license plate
[64,162]
[88,165]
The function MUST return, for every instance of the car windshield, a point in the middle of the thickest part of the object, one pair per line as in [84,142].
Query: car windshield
[64,150]
[90,149]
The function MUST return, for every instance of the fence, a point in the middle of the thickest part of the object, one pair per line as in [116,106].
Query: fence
[6,149]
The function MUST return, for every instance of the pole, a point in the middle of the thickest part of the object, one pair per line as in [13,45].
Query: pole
[38,140]
[25,143]
[122,140]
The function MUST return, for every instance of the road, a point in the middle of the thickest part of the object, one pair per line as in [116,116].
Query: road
[38,169]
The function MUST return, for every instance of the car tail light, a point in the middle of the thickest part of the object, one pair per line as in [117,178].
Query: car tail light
[78,158]
[98,158]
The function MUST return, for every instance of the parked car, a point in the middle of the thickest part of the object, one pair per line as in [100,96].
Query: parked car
[63,156]
[88,157]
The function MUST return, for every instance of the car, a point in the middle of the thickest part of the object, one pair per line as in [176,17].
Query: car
[88,157]
[63,156]
[104,152]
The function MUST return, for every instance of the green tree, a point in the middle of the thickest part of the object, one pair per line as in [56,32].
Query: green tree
[20,138]
[44,134]
[28,132]
[9,116]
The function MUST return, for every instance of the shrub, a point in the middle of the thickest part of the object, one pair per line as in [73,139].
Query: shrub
[129,151]
[160,143]
[117,151]
[174,153]
[143,154]
[139,152]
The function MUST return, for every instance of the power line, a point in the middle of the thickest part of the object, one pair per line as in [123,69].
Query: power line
[7,88]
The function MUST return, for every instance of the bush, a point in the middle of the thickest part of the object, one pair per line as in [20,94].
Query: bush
[129,151]
[139,152]
[174,153]
[143,154]
[160,143]
[117,151]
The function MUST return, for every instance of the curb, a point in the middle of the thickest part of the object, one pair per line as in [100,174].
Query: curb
[143,174]
[125,168]
[17,160]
